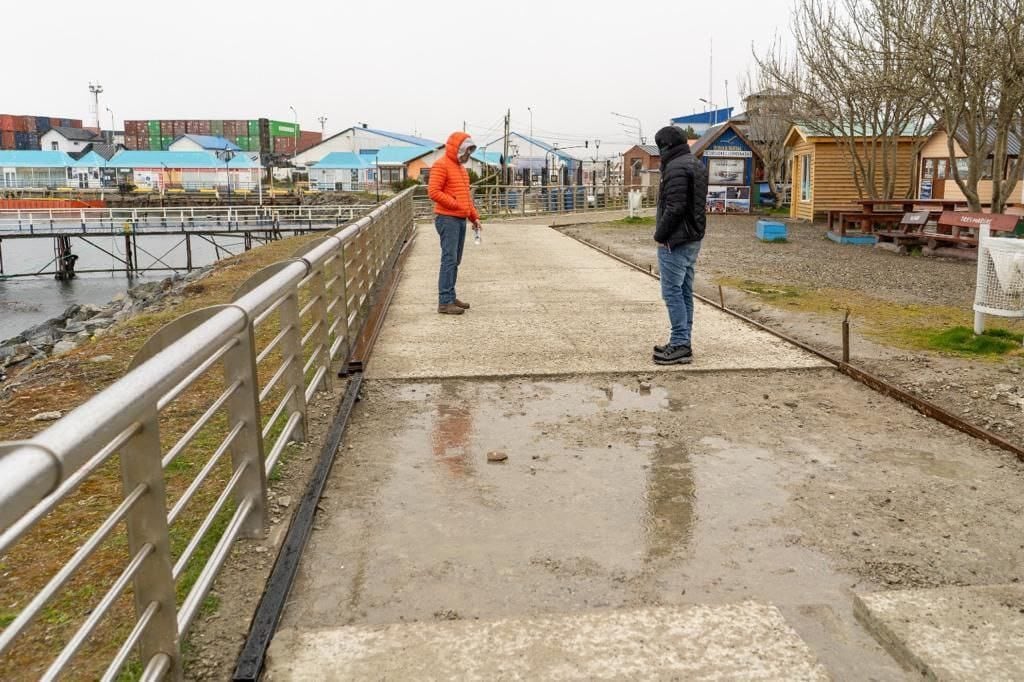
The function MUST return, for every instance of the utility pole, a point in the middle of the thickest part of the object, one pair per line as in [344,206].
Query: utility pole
[96,89]
[504,153]
[323,125]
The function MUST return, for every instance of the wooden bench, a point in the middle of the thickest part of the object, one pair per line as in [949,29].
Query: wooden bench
[910,232]
[956,234]
[867,220]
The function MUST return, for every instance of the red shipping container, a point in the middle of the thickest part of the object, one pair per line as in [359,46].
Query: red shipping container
[24,124]
[166,127]
[7,139]
[54,122]
[6,122]
[76,123]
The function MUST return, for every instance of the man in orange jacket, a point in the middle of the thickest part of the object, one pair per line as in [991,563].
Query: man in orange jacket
[453,205]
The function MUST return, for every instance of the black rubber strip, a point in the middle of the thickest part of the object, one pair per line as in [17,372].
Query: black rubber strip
[264,623]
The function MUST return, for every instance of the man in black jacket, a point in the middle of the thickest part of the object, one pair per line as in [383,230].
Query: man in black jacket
[680,228]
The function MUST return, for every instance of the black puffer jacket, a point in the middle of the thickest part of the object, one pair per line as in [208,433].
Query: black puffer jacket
[683,193]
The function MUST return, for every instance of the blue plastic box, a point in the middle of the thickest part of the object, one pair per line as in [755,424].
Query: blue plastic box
[771,231]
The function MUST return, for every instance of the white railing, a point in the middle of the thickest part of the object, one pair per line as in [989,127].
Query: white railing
[181,446]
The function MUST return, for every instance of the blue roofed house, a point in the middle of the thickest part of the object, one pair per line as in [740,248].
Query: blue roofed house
[202,143]
[539,160]
[700,122]
[36,169]
[348,171]
[159,171]
[369,142]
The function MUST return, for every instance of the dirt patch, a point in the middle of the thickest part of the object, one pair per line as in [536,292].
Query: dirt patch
[803,288]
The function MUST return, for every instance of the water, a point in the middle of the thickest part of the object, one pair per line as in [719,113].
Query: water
[28,301]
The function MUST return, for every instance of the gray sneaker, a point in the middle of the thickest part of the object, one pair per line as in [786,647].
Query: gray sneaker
[673,355]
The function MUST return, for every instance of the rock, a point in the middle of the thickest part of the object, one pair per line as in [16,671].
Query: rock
[71,311]
[98,323]
[101,358]
[82,337]
[46,417]
[496,456]
[1003,388]
[285,501]
[792,404]
[73,328]
[119,297]
[645,386]
[64,347]
[100,333]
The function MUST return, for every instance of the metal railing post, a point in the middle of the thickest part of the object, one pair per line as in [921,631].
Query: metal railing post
[247,448]
[291,349]
[147,525]
[322,337]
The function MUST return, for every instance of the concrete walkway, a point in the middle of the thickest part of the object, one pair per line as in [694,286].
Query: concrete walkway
[545,304]
[522,494]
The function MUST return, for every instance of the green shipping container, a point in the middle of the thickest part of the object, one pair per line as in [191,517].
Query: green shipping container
[165,142]
[154,143]
[254,143]
[282,129]
[254,128]
[242,142]
[154,128]
[217,128]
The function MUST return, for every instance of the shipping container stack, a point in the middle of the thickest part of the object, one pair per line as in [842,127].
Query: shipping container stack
[24,132]
[252,135]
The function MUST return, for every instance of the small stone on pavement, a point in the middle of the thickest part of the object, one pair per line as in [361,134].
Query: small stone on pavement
[496,456]
[46,417]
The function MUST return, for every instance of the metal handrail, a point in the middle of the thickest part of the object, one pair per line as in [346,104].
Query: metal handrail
[521,201]
[333,276]
[28,221]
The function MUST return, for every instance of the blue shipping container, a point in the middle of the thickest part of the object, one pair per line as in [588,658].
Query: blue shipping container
[65,122]
[42,124]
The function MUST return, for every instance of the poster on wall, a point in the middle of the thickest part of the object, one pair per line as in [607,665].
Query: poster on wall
[926,189]
[716,199]
[737,200]
[727,171]
[725,199]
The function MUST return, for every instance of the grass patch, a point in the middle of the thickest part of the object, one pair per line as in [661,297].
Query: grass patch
[963,341]
[908,326]
[637,220]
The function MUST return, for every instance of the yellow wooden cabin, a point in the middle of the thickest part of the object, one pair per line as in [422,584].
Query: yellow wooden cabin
[936,177]
[822,178]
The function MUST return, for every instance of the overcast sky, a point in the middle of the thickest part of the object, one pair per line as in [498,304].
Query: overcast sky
[423,66]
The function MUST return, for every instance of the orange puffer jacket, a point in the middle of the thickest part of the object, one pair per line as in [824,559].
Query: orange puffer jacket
[449,183]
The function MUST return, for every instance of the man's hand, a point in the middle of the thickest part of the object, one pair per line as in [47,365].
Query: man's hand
[477,225]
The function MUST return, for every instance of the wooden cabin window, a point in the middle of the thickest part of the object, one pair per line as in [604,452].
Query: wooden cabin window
[805,177]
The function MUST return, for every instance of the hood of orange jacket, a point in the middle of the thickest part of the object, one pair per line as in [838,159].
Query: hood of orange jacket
[451,147]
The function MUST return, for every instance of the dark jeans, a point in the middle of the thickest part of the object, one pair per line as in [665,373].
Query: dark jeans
[676,268]
[452,232]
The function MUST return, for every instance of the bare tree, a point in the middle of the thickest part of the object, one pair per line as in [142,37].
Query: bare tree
[850,78]
[973,53]
[769,118]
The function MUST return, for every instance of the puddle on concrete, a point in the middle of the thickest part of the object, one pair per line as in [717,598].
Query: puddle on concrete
[612,495]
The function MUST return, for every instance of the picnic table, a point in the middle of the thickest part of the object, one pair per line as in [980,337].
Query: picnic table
[952,228]
[889,212]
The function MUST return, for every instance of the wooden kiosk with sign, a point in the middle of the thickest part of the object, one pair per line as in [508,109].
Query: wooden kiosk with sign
[734,166]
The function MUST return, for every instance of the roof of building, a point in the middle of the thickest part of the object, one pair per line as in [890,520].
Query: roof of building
[649,149]
[824,130]
[398,156]
[90,160]
[487,157]
[107,151]
[211,142]
[344,160]
[408,139]
[712,135]
[153,159]
[1012,141]
[34,158]
[704,118]
[76,134]
[561,153]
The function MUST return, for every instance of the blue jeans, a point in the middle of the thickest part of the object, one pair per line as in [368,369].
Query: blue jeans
[452,232]
[676,268]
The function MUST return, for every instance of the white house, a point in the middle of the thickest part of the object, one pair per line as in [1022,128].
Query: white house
[68,140]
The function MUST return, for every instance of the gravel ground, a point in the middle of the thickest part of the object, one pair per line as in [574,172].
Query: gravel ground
[986,392]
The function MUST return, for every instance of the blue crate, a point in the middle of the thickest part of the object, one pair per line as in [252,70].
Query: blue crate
[771,231]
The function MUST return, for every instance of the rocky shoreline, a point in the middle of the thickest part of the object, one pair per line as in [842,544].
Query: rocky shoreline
[80,323]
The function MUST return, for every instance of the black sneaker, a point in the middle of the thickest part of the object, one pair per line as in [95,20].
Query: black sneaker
[660,350]
[674,355]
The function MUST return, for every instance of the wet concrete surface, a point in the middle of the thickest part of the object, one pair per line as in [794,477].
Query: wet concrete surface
[746,641]
[953,633]
[617,493]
